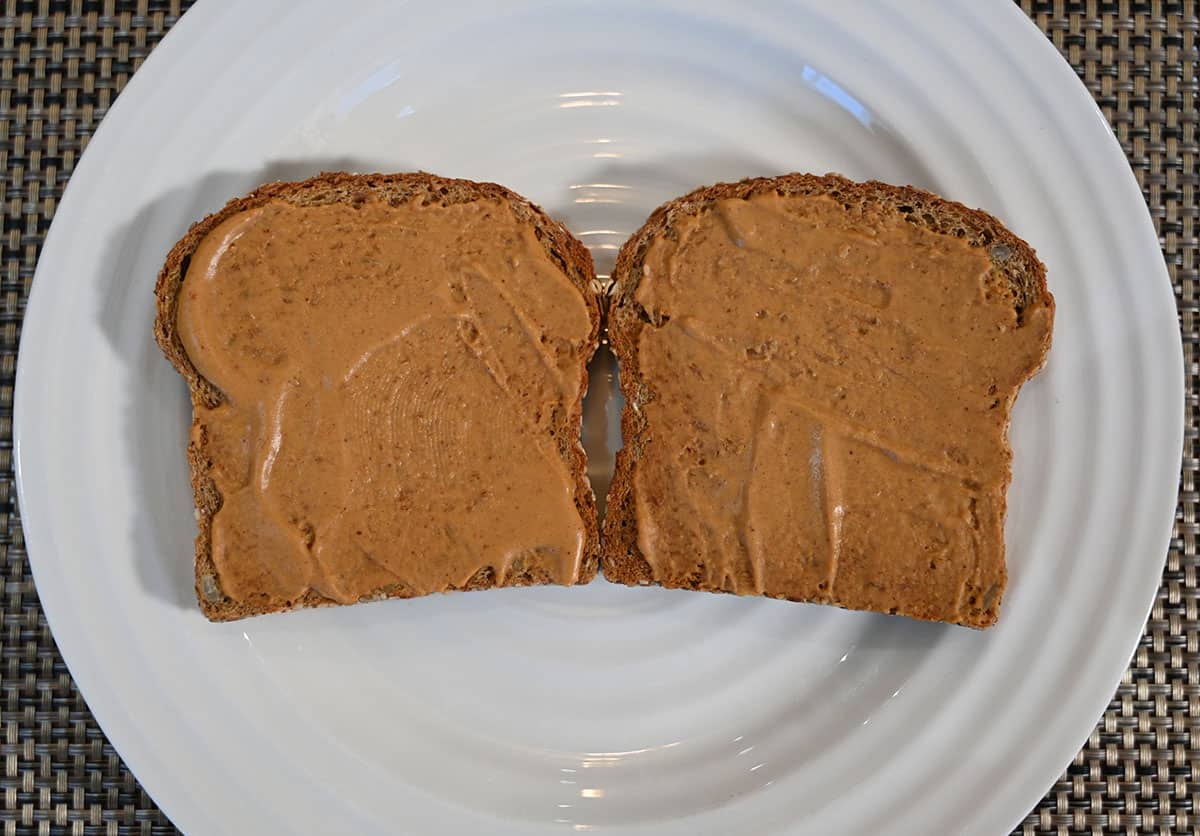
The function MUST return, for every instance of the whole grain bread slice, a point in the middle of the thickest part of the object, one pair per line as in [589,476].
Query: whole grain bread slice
[1015,270]
[566,251]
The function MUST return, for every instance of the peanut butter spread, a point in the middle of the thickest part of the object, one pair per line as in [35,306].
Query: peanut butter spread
[392,376]
[828,407]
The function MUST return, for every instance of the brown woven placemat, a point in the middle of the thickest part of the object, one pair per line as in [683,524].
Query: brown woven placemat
[62,62]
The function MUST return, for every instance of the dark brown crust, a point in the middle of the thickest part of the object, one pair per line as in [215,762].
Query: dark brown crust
[338,187]
[1015,267]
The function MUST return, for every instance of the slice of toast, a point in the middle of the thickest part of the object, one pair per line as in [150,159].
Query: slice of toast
[386,374]
[818,377]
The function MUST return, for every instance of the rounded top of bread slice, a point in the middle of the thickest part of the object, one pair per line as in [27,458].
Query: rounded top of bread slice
[348,188]
[1012,258]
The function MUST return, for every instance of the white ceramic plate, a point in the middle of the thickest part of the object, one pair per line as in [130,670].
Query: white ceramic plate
[603,708]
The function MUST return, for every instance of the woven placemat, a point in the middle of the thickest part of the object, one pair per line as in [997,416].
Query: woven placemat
[62,62]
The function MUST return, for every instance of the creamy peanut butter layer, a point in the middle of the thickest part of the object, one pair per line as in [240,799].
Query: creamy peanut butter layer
[391,377]
[829,406]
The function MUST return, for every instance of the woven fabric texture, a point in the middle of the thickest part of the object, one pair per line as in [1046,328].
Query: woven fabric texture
[63,62]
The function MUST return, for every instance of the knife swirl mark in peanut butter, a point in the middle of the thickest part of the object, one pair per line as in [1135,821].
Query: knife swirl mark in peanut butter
[837,392]
[390,377]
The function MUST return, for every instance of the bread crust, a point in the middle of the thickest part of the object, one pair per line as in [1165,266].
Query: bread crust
[622,561]
[339,187]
